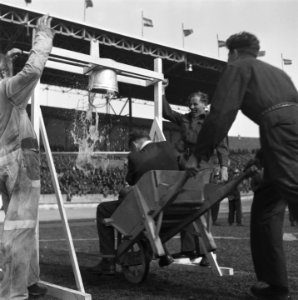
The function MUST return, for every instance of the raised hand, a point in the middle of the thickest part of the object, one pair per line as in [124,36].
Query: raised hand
[44,24]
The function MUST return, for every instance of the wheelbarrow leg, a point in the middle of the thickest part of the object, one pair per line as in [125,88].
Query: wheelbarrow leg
[200,226]
[150,226]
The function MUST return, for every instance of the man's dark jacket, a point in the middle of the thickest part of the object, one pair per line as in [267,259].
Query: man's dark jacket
[154,156]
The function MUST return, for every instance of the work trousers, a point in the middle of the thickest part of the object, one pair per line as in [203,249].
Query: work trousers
[279,144]
[20,189]
[190,239]
[106,233]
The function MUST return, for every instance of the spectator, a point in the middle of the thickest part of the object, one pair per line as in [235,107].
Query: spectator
[235,209]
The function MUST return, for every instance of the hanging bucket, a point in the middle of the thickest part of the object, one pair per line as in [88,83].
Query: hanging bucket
[103,80]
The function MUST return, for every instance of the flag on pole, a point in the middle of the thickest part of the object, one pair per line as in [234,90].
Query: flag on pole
[261,53]
[221,43]
[187,32]
[88,3]
[28,1]
[147,22]
[287,61]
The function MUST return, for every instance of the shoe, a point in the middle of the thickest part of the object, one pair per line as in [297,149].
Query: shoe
[36,290]
[240,224]
[165,260]
[270,293]
[188,254]
[204,262]
[105,267]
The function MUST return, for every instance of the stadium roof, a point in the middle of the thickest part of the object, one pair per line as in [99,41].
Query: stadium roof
[16,31]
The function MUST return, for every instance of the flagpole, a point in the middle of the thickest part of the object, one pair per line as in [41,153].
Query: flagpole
[282,62]
[217,45]
[84,10]
[142,20]
[182,35]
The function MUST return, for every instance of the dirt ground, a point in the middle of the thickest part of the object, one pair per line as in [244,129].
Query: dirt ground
[174,282]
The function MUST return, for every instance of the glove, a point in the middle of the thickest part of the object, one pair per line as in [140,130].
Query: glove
[224,173]
[44,24]
[192,165]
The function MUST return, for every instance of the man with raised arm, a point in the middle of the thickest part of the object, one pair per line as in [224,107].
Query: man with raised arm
[19,169]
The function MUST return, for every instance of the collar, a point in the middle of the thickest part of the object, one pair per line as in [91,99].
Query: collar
[200,117]
[145,144]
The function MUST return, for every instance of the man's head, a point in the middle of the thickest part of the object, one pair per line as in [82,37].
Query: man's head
[137,138]
[5,66]
[242,43]
[197,103]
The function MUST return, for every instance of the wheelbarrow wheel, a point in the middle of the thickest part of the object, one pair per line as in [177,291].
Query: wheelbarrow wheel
[136,262]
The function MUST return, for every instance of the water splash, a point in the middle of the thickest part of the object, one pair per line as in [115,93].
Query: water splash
[89,137]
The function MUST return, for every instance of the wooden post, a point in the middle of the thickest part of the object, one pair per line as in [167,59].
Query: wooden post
[58,193]
[156,132]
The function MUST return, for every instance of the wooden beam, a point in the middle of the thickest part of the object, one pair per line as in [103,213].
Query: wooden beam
[64,293]
[106,63]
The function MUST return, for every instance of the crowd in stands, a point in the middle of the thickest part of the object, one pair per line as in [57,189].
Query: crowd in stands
[107,178]
[74,181]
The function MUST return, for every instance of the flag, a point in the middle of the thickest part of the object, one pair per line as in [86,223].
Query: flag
[147,22]
[28,1]
[88,3]
[287,61]
[187,32]
[261,53]
[221,43]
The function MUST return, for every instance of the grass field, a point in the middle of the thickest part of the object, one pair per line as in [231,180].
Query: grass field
[173,282]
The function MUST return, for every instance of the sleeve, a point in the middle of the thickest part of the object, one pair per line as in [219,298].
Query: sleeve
[170,114]
[225,104]
[222,152]
[20,87]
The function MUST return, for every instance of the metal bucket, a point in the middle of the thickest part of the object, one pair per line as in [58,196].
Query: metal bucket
[103,80]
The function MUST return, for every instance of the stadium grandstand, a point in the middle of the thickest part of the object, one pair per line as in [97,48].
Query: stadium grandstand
[16,31]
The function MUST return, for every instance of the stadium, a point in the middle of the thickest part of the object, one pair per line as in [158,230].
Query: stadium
[75,181]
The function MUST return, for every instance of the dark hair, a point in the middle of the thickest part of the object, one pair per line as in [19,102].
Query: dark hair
[244,42]
[136,135]
[5,64]
[203,97]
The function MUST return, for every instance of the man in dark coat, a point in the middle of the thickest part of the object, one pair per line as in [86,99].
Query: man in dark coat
[268,97]
[145,156]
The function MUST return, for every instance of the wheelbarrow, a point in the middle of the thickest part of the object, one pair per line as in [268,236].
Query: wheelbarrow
[157,208]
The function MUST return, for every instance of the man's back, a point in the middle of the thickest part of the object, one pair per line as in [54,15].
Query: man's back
[265,86]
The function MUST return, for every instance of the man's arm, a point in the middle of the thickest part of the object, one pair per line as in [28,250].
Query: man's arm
[225,104]
[222,152]
[20,87]
[170,114]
